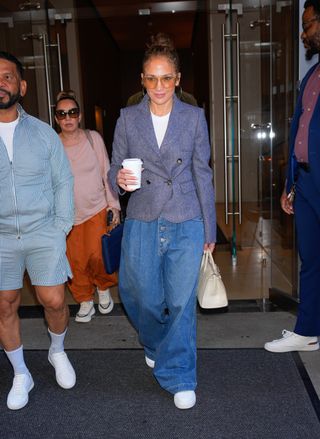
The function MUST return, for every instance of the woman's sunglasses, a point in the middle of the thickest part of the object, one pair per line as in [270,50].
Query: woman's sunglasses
[73,113]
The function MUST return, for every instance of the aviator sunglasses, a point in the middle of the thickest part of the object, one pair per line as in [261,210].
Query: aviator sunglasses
[73,113]
[151,81]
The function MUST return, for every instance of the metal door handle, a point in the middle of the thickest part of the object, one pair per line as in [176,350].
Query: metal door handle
[237,99]
[58,46]
[239,127]
[47,73]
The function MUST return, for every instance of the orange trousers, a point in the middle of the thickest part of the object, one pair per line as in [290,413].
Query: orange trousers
[85,258]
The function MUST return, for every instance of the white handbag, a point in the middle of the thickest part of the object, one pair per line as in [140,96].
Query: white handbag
[211,290]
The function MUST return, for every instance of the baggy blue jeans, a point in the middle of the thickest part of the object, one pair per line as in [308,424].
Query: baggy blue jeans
[158,278]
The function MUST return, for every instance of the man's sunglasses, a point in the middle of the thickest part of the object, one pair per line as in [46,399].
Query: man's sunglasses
[61,114]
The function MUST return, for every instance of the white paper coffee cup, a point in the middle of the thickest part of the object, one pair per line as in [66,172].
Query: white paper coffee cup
[134,165]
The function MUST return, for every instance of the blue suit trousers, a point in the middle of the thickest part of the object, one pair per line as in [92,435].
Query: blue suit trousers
[307,217]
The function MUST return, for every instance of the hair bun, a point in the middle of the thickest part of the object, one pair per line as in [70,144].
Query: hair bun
[161,45]
[160,40]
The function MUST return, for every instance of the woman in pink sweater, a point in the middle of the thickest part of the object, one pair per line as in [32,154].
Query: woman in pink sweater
[93,199]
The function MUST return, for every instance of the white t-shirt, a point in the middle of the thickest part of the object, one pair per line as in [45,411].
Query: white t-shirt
[160,124]
[6,133]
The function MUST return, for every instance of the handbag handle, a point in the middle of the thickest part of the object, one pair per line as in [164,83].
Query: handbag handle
[208,259]
[207,256]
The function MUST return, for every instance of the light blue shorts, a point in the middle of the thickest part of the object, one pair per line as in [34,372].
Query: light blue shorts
[42,253]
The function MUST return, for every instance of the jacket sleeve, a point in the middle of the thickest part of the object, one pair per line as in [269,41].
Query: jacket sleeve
[100,149]
[202,174]
[62,186]
[119,153]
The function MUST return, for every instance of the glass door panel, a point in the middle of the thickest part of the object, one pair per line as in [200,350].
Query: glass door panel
[285,36]
[242,140]
[256,128]
[259,103]
[24,31]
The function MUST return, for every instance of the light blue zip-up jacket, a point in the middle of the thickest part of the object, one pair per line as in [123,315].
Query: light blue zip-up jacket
[36,188]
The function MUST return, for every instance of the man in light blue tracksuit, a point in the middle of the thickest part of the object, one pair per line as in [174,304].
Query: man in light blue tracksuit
[36,213]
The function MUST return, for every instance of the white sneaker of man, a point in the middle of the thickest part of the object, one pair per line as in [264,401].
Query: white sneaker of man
[291,342]
[185,399]
[86,311]
[18,396]
[65,374]
[105,301]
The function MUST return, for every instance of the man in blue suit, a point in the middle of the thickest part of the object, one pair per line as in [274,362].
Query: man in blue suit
[301,195]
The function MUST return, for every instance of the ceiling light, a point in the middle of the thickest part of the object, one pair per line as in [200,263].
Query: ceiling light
[144,11]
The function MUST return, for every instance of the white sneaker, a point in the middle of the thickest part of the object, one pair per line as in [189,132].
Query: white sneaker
[86,311]
[185,400]
[65,374]
[18,396]
[291,341]
[105,301]
[149,362]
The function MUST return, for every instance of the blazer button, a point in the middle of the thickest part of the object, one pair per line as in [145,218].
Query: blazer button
[169,182]
[148,181]
[179,161]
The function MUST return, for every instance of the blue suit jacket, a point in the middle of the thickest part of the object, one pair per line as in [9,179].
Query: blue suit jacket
[176,183]
[313,140]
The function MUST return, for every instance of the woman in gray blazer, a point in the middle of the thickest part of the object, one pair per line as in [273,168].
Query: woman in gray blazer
[170,220]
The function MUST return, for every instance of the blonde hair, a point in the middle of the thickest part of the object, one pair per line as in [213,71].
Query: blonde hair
[67,94]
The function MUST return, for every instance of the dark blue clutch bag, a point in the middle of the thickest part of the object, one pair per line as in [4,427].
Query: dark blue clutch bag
[111,249]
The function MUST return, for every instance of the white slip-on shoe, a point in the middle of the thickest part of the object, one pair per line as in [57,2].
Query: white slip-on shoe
[86,311]
[291,342]
[185,399]
[65,374]
[149,362]
[18,396]
[105,301]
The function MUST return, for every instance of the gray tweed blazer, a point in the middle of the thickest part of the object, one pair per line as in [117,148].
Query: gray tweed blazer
[176,183]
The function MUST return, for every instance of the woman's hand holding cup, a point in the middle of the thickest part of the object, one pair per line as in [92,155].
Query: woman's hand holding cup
[126,179]
[129,177]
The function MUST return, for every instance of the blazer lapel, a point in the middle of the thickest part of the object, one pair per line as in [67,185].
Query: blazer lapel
[144,126]
[173,132]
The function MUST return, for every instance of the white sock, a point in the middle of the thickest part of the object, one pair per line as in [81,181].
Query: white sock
[103,291]
[16,358]
[57,341]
